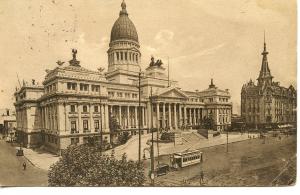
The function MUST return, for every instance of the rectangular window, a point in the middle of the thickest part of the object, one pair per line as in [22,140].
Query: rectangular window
[69,86]
[74,140]
[96,125]
[96,88]
[84,109]
[74,85]
[96,108]
[85,140]
[72,108]
[85,125]
[73,127]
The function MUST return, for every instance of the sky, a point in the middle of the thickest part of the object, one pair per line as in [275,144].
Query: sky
[203,39]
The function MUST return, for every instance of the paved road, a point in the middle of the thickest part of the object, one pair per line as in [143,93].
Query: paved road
[248,163]
[11,170]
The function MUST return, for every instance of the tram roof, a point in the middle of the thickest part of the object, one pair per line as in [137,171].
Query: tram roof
[187,152]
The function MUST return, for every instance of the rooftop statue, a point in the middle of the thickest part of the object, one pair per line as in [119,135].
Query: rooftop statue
[152,63]
[158,62]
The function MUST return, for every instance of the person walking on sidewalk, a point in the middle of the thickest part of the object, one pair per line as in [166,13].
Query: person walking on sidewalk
[24,166]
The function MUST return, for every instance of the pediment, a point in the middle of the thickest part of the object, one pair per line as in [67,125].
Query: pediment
[173,93]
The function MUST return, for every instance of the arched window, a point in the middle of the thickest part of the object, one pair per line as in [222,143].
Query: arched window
[118,56]
[136,58]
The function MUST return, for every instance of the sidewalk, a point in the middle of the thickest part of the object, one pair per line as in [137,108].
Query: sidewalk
[40,158]
[203,143]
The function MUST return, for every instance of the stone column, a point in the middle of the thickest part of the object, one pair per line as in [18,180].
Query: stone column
[180,115]
[79,118]
[194,116]
[157,115]
[164,115]
[127,121]
[136,116]
[198,116]
[106,117]
[111,110]
[170,117]
[120,116]
[91,119]
[190,111]
[102,117]
[149,117]
[185,115]
[143,117]
[175,116]
[67,121]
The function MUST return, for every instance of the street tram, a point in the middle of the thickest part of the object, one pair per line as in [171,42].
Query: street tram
[187,158]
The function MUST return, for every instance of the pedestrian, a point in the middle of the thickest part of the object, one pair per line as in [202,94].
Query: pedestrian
[24,166]
[201,177]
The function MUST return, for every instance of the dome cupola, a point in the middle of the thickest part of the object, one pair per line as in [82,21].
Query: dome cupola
[123,28]
[124,54]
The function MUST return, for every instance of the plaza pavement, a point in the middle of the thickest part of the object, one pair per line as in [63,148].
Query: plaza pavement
[131,148]
[44,160]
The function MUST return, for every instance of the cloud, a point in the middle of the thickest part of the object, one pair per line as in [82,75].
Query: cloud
[104,42]
[204,52]
[163,37]
[150,49]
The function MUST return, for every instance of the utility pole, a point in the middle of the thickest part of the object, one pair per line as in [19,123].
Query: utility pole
[152,149]
[168,73]
[139,124]
[227,140]
[101,135]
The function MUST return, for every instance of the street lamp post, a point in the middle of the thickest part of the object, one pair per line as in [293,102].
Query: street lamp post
[139,123]
[100,126]
[227,140]
[152,136]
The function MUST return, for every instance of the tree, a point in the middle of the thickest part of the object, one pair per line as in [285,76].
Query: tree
[114,127]
[83,165]
[123,138]
[208,122]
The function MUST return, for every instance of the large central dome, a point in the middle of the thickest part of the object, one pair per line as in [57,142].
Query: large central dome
[123,28]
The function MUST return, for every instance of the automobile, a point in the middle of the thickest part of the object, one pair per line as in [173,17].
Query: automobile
[20,152]
[162,169]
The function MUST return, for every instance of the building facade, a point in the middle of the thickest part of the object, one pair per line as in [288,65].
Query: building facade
[266,103]
[74,103]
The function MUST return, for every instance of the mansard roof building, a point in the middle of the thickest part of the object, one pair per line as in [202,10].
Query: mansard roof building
[74,103]
[267,103]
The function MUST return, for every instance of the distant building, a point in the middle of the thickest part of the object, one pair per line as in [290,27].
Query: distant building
[7,122]
[237,123]
[74,103]
[267,103]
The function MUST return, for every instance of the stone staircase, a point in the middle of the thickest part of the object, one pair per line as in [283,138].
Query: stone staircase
[191,137]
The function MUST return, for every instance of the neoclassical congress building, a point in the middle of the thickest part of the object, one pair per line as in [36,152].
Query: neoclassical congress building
[74,102]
